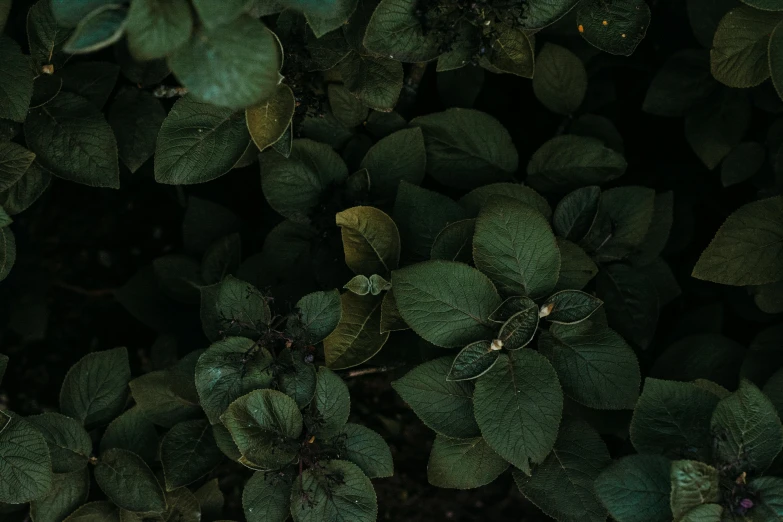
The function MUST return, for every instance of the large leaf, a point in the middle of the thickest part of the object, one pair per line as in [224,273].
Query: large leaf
[463,463]
[467,148]
[444,406]
[518,405]
[398,156]
[156,29]
[234,65]
[95,388]
[25,465]
[738,56]
[132,431]
[445,302]
[320,314]
[68,491]
[267,498]
[747,430]
[560,81]
[128,482]
[69,444]
[45,36]
[366,449]
[671,419]
[636,489]
[332,405]
[616,27]
[395,31]
[71,139]
[264,425]
[198,142]
[188,452]
[318,497]
[594,364]
[228,370]
[514,245]
[748,247]
[16,82]
[693,484]
[358,335]
[371,241]
[562,486]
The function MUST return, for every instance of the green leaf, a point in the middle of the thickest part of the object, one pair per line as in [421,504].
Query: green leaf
[16,83]
[630,301]
[294,186]
[228,370]
[295,377]
[473,361]
[693,483]
[234,65]
[576,267]
[103,511]
[317,497]
[636,489]
[132,431]
[616,28]
[371,241]
[455,242]
[716,126]
[682,81]
[69,14]
[395,31]
[162,399]
[630,212]
[463,463]
[560,81]
[768,498]
[511,52]
[376,81]
[233,307]
[222,258]
[446,303]
[268,121]
[368,450]
[443,406]
[211,500]
[747,430]
[518,405]
[570,307]
[359,285]
[332,404]
[44,36]
[595,366]
[213,15]
[541,13]
[95,388]
[764,5]
[742,163]
[7,252]
[475,200]
[748,247]
[264,425]
[27,190]
[136,136]
[267,498]
[69,444]
[567,162]
[398,156]
[320,313]
[128,482]
[25,464]
[704,513]
[156,29]
[188,452]
[420,215]
[97,30]
[519,329]
[73,141]
[738,57]
[703,356]
[357,337]
[93,81]
[68,491]
[775,54]
[189,138]
[345,106]
[515,246]
[562,486]
[14,162]
[467,148]
[577,211]
[671,419]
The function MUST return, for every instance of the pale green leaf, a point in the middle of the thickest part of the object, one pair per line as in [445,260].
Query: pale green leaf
[371,241]
[268,121]
[357,337]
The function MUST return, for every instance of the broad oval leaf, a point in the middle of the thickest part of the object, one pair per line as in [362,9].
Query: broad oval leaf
[636,489]
[616,28]
[296,377]
[463,463]
[25,464]
[395,31]
[332,405]
[371,241]
[475,200]
[188,452]
[518,405]
[366,449]
[267,498]
[69,444]
[455,242]
[320,313]
[155,29]
[446,303]
[268,121]
[577,211]
[514,245]
[560,82]
[68,491]
[16,82]
[316,498]
[15,160]
[473,361]
[234,65]
[128,482]
[398,156]
[357,337]
[198,142]
[132,431]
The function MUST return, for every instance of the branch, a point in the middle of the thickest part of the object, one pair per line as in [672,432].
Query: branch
[370,371]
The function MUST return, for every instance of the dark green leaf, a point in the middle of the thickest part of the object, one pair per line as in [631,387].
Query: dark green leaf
[399,156]
[332,405]
[211,500]
[213,15]
[616,28]
[636,489]
[716,126]
[7,252]
[455,242]
[16,82]
[345,106]
[93,81]
[155,29]
[703,356]
[368,450]
[395,31]
[188,452]
[221,259]
[95,388]
[576,267]
[560,81]
[14,162]
[128,482]
[27,190]
[320,314]
[570,307]
[103,511]
[519,329]
[25,465]
[69,444]
[132,431]
[267,498]
[682,81]
[68,491]
[135,117]
[577,211]
[630,301]
[316,498]
[233,307]
[377,82]
[296,377]
[463,463]
[44,36]
[162,399]
[99,29]
[357,336]
[473,361]
[742,163]
[475,200]
[693,483]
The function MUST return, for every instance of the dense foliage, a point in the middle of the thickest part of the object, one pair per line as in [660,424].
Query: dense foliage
[537,229]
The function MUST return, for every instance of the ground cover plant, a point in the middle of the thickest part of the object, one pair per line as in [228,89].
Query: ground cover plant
[411,260]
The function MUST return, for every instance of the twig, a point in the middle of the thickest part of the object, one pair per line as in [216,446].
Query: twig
[370,371]
[100,292]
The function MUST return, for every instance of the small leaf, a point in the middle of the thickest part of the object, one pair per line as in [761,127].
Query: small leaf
[315,497]
[368,450]
[560,81]
[267,498]
[520,328]
[371,241]
[615,28]
[188,452]
[473,361]
[24,461]
[577,211]
[518,405]
[693,484]
[463,463]
[376,81]
[95,388]
[332,404]
[264,425]
[132,431]
[358,336]
[189,138]
[570,307]
[15,160]
[636,489]
[69,444]
[455,242]
[156,29]
[268,121]
[320,313]
[128,482]
[296,377]
[444,406]
[511,52]
[99,29]
[233,307]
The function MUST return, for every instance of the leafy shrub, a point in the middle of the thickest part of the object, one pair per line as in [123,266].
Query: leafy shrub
[555,299]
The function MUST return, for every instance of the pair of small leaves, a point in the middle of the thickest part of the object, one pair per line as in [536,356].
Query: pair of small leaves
[362,285]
